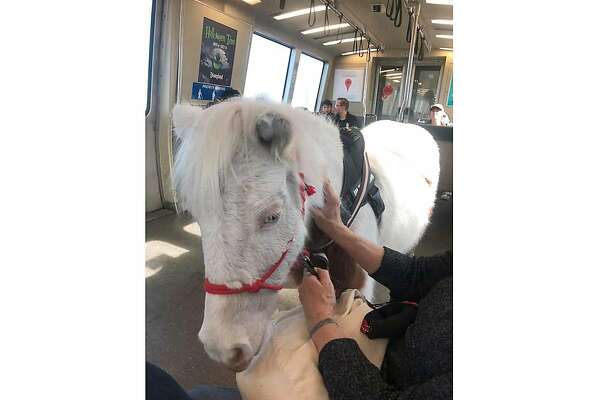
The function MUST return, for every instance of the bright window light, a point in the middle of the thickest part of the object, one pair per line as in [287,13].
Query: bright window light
[444,36]
[442,21]
[322,28]
[440,2]
[296,13]
[308,81]
[267,58]
[447,48]
[341,41]
[356,52]
[252,2]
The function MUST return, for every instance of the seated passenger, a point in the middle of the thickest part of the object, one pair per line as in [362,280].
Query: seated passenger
[343,119]
[438,116]
[326,109]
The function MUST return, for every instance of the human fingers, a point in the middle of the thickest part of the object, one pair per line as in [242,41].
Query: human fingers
[309,288]
[323,274]
[324,278]
[331,197]
[309,281]
[317,213]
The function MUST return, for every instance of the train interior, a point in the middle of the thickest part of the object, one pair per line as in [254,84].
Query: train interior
[390,64]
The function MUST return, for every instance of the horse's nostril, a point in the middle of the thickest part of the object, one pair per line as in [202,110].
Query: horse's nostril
[238,356]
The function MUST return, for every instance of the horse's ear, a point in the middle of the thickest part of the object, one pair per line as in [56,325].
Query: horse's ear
[184,117]
[274,131]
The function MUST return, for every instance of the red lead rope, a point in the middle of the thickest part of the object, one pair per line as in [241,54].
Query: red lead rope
[212,288]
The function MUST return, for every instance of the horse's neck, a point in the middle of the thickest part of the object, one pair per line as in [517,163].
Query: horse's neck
[320,157]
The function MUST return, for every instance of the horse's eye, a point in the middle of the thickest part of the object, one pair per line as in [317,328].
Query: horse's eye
[271,219]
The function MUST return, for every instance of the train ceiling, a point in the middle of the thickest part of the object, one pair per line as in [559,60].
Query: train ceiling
[377,25]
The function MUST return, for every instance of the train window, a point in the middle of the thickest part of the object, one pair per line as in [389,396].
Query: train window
[267,68]
[308,82]
[424,92]
[389,91]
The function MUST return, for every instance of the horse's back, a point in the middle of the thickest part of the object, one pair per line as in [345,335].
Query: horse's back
[405,161]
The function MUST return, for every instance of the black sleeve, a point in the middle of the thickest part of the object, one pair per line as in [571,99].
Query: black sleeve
[160,385]
[349,375]
[409,277]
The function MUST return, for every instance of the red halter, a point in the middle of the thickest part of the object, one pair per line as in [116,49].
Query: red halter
[212,288]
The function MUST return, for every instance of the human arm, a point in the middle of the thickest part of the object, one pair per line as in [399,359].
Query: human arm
[407,277]
[366,253]
[317,296]
[348,375]
[410,277]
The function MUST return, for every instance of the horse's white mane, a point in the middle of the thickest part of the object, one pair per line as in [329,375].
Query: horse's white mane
[211,138]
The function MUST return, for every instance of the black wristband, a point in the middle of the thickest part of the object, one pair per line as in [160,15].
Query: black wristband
[320,324]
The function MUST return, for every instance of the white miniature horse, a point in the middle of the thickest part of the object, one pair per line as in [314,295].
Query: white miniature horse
[242,169]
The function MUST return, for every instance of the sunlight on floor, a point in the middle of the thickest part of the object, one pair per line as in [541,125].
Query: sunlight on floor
[156,253]
[193,228]
[152,268]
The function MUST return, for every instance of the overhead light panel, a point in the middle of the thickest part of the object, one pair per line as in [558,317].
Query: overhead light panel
[356,52]
[444,36]
[322,28]
[297,13]
[252,2]
[447,48]
[389,70]
[342,41]
[396,80]
[440,2]
[442,21]
[393,76]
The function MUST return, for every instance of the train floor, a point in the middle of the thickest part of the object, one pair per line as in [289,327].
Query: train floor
[175,300]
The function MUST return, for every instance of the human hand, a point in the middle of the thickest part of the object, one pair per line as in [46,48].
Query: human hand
[317,297]
[328,218]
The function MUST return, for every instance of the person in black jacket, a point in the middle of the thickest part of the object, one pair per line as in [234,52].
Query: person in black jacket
[418,362]
[343,119]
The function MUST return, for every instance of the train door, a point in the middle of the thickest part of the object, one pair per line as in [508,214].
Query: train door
[389,90]
[391,79]
[425,92]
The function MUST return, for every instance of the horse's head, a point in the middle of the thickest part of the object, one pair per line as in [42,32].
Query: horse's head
[238,171]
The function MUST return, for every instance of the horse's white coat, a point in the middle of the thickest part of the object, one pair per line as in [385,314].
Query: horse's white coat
[244,194]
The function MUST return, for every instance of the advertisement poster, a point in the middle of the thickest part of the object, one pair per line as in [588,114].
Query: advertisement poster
[207,91]
[348,83]
[217,53]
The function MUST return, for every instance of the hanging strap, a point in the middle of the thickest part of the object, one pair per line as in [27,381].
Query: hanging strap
[312,14]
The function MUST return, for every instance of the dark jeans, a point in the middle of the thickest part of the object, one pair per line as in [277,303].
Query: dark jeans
[161,386]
